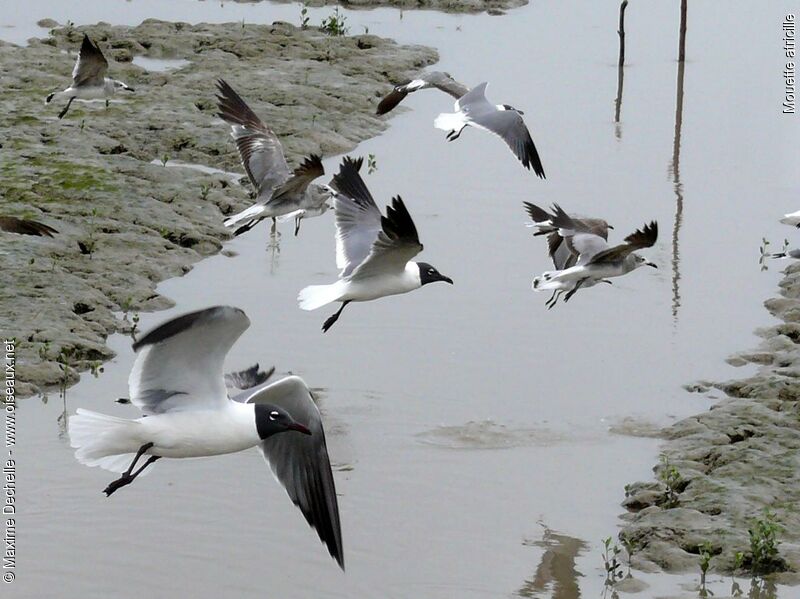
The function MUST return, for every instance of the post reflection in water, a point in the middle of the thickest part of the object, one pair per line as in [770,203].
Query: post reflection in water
[556,571]
[677,185]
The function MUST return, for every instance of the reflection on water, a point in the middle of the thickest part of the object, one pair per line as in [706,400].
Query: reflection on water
[678,189]
[556,573]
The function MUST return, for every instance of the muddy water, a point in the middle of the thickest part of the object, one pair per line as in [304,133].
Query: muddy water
[464,420]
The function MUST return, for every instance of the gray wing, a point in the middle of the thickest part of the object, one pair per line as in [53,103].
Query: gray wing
[358,220]
[259,149]
[248,378]
[300,462]
[24,226]
[179,363]
[639,239]
[509,126]
[302,176]
[437,79]
[561,230]
[397,243]
[91,66]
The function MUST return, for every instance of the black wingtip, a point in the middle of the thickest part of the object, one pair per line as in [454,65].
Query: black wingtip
[537,214]
[349,183]
[390,101]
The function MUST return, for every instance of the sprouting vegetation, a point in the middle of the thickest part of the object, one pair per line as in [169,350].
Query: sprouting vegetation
[304,16]
[611,562]
[335,24]
[89,245]
[706,553]
[164,159]
[673,481]
[372,164]
[631,546]
[764,543]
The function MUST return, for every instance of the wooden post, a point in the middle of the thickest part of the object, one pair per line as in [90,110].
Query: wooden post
[621,32]
[682,38]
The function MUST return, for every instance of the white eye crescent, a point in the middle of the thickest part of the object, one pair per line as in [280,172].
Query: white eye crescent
[273,415]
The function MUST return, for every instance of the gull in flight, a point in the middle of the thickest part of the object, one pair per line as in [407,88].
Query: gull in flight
[279,191]
[373,251]
[177,381]
[472,109]
[25,226]
[89,79]
[596,260]
[561,249]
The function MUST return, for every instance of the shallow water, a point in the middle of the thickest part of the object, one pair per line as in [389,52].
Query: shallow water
[159,64]
[461,418]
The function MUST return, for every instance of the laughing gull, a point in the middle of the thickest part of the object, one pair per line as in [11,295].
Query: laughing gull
[25,226]
[373,251]
[177,381]
[89,79]
[279,191]
[560,248]
[472,109]
[596,260]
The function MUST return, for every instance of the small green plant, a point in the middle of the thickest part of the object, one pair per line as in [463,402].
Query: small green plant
[335,24]
[89,245]
[44,351]
[64,361]
[372,164]
[631,546]
[96,368]
[611,561]
[764,542]
[764,254]
[164,159]
[706,552]
[738,560]
[204,191]
[83,124]
[673,480]
[304,16]
[135,326]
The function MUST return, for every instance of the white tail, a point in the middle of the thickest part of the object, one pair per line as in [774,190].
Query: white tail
[450,121]
[246,214]
[316,296]
[101,440]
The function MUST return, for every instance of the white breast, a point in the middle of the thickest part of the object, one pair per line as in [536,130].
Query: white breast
[197,433]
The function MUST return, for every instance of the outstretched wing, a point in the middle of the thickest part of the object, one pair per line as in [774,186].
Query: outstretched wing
[91,66]
[396,244]
[300,462]
[639,239]
[259,149]
[248,378]
[25,226]
[437,79]
[358,220]
[301,178]
[179,363]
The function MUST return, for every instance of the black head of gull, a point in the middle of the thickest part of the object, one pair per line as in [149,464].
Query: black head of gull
[429,274]
[271,420]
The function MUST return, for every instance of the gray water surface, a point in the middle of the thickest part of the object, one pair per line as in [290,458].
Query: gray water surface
[459,418]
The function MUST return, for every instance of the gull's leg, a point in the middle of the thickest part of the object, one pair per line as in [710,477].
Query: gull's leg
[129,475]
[106,103]
[329,323]
[274,229]
[66,108]
[574,289]
[453,135]
[554,299]
[297,220]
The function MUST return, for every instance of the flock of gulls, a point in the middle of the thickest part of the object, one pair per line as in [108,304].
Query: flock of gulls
[189,405]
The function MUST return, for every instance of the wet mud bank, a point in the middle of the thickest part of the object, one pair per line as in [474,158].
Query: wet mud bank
[731,476]
[108,178]
[493,7]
